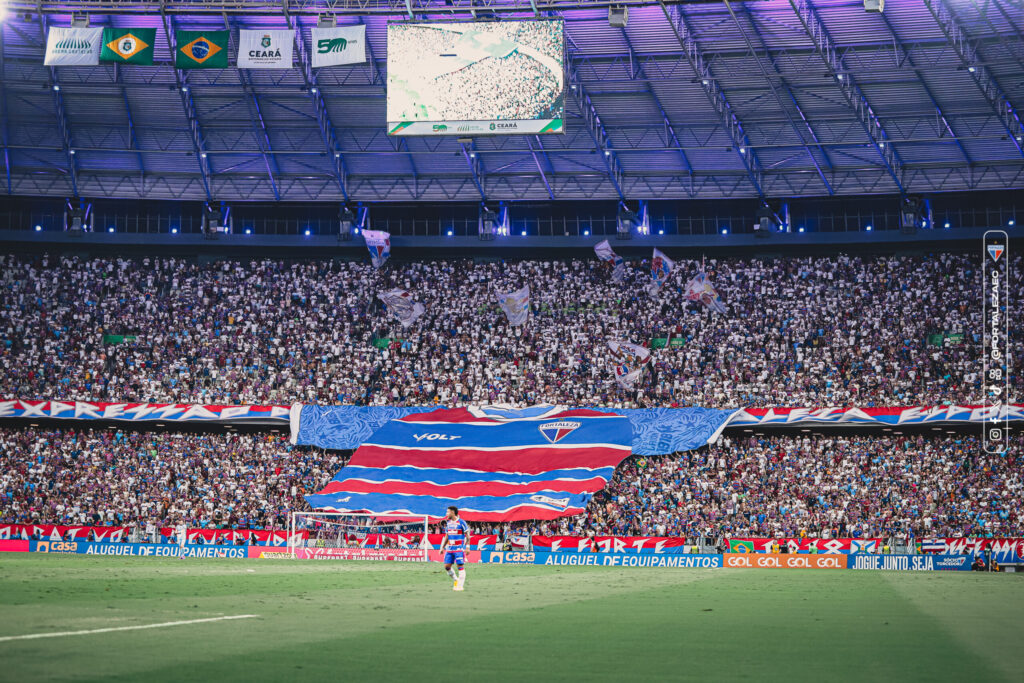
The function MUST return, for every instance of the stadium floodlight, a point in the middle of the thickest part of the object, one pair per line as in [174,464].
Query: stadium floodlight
[766,222]
[1011,222]
[877,6]
[326,21]
[910,214]
[346,221]
[79,21]
[487,226]
[618,17]
[625,221]
[356,536]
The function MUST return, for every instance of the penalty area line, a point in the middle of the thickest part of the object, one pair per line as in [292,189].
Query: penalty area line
[33,636]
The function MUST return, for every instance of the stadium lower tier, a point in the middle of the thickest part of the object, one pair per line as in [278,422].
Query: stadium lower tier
[870,486]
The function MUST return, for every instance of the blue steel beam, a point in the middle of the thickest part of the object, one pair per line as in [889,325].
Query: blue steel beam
[669,128]
[323,118]
[716,97]
[189,108]
[778,98]
[815,29]
[378,78]
[3,112]
[928,91]
[983,78]
[259,124]
[473,161]
[540,169]
[62,115]
[597,131]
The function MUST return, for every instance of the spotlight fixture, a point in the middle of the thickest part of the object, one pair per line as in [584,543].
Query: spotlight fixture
[661,232]
[876,6]
[450,233]
[586,233]
[174,231]
[110,229]
[868,228]
[946,225]
[248,231]
[39,228]
[56,87]
[725,231]
[307,233]
[618,17]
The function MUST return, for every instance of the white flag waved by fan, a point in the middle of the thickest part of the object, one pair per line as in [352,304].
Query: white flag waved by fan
[605,253]
[516,305]
[699,288]
[401,305]
[379,244]
[661,268]
[630,360]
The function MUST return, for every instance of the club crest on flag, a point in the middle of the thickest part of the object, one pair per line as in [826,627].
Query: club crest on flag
[127,46]
[995,251]
[556,431]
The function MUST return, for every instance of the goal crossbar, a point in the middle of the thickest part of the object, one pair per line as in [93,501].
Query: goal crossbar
[347,535]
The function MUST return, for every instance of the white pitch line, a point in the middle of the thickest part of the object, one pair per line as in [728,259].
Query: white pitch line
[33,636]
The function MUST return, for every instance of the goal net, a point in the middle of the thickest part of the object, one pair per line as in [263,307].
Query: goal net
[351,536]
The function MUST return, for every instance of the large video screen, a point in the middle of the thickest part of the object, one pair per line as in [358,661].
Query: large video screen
[493,78]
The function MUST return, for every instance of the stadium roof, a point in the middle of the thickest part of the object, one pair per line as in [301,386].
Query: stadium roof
[771,98]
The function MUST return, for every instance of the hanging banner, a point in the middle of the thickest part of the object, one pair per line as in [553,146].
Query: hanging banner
[267,49]
[128,46]
[73,46]
[338,46]
[201,49]
[137,412]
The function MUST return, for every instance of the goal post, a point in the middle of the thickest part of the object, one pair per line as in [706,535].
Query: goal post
[358,536]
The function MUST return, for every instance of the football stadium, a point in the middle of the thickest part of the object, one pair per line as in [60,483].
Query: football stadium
[521,339]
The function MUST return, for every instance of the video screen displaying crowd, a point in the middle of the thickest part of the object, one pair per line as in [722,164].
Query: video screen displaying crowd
[810,331]
[820,486]
[507,71]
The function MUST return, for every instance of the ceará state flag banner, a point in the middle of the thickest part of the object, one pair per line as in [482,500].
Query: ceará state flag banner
[494,465]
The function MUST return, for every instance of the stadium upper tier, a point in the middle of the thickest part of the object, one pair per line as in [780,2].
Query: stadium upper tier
[896,330]
[746,485]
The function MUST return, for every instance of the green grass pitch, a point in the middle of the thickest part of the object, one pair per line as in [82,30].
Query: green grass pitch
[380,621]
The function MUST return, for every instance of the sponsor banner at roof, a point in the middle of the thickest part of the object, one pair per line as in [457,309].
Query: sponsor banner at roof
[873,416]
[139,412]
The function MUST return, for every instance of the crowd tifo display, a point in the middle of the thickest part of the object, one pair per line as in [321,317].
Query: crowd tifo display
[814,331]
[742,486]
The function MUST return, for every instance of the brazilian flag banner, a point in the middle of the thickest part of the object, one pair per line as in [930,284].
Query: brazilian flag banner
[201,49]
[128,45]
[740,546]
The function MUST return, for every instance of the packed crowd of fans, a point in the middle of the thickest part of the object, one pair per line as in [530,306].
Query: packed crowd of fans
[835,331]
[747,485]
[505,71]
[894,486]
[122,478]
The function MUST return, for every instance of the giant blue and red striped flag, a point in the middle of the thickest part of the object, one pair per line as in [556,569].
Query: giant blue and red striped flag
[494,466]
